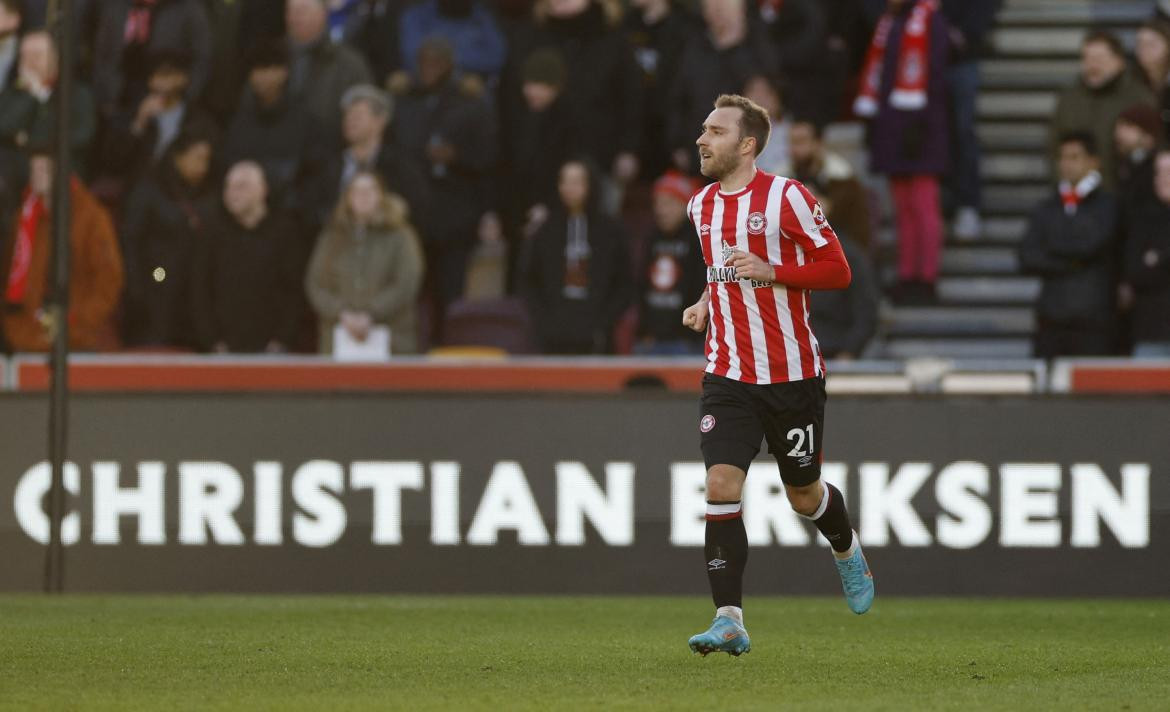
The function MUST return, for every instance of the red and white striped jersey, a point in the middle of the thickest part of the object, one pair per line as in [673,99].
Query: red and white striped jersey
[759,332]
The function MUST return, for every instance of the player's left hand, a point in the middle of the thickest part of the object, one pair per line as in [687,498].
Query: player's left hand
[749,266]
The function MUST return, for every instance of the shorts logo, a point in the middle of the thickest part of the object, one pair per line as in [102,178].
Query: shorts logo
[707,424]
[716,565]
[757,223]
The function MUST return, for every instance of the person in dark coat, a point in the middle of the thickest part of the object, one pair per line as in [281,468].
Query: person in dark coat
[1070,245]
[1146,289]
[1152,52]
[719,59]
[366,112]
[450,131]
[246,291]
[799,29]
[658,32]
[271,129]
[468,25]
[372,30]
[136,140]
[904,94]
[603,86]
[673,273]
[129,32]
[846,319]
[1135,136]
[320,70]
[160,228]
[576,274]
[969,24]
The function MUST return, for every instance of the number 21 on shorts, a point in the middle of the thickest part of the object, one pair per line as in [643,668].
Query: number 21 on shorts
[796,436]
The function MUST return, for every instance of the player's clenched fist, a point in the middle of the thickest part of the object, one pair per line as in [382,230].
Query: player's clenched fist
[695,316]
[749,266]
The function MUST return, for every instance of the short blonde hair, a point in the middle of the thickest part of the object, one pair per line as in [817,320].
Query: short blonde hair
[754,121]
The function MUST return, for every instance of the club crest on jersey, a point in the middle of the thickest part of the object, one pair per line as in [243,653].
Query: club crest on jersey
[756,223]
[707,424]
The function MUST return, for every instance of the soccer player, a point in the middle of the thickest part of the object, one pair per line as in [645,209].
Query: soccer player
[766,243]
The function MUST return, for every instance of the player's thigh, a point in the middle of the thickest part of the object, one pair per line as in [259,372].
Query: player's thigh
[794,427]
[730,428]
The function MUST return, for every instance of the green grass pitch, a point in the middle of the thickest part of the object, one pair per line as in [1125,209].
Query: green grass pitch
[566,653]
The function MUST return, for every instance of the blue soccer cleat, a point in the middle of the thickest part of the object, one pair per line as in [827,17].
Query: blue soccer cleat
[856,580]
[724,636]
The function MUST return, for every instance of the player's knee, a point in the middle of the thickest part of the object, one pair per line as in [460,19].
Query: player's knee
[724,483]
[805,500]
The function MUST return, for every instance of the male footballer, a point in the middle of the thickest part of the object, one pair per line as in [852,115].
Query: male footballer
[766,244]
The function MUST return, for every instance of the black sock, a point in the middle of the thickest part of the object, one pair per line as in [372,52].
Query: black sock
[726,549]
[834,520]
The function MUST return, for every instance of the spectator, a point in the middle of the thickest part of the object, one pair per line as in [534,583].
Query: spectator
[366,111]
[467,24]
[968,25]
[138,139]
[657,31]
[775,157]
[27,109]
[95,267]
[367,268]
[320,69]
[832,181]
[576,270]
[342,16]
[603,85]
[1135,136]
[246,274]
[798,30]
[160,227]
[1105,88]
[1153,58]
[673,275]
[543,140]
[903,93]
[846,39]
[1147,268]
[719,59]
[130,32]
[846,319]
[1069,243]
[10,22]
[373,31]
[271,129]
[450,131]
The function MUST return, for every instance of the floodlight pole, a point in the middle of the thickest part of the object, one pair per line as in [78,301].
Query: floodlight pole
[62,20]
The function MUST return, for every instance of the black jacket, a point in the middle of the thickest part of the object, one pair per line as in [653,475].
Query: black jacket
[457,198]
[673,278]
[285,140]
[246,284]
[534,154]
[1074,256]
[603,83]
[581,326]
[159,232]
[844,320]
[973,19]
[706,72]
[1150,231]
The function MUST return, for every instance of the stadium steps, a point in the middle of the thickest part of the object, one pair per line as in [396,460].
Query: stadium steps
[984,308]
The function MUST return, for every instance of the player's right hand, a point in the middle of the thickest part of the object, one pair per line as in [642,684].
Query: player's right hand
[695,316]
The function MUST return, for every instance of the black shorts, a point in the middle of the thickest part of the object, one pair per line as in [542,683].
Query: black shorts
[735,417]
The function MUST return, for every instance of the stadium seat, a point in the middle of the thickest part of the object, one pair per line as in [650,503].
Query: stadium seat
[499,323]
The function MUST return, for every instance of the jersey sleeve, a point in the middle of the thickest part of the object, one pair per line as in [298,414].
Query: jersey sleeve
[802,219]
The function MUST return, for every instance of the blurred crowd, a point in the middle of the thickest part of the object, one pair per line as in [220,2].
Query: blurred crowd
[317,175]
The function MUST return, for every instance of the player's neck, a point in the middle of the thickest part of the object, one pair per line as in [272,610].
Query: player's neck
[738,179]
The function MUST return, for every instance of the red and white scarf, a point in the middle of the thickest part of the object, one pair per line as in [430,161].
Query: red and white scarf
[1072,195]
[138,21]
[32,211]
[910,82]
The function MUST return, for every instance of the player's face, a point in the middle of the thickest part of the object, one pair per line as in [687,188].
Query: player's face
[721,146]
[1162,177]
[1075,162]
